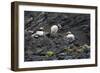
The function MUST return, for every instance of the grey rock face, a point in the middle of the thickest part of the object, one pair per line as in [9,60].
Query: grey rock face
[78,24]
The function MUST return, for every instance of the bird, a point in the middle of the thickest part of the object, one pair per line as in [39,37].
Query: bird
[39,32]
[70,37]
[30,31]
[55,28]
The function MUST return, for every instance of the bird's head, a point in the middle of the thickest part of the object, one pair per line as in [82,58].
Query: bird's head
[69,32]
[41,28]
[59,26]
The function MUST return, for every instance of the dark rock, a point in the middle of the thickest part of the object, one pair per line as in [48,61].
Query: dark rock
[78,24]
[52,58]
[38,58]
[61,56]
[68,57]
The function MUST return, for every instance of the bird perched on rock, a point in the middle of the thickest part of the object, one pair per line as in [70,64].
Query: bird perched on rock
[39,32]
[70,37]
[55,28]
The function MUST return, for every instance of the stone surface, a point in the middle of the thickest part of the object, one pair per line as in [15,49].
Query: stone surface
[78,24]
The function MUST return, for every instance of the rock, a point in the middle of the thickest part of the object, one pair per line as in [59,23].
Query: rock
[78,24]
[38,58]
[38,50]
[68,57]
[52,58]
[61,56]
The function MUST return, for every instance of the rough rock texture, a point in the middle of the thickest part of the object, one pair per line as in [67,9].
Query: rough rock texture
[36,48]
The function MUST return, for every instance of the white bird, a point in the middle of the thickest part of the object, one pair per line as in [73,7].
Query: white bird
[38,33]
[54,28]
[70,37]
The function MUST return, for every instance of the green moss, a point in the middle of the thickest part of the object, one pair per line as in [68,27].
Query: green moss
[76,49]
[80,50]
[68,50]
[65,49]
[50,53]
[85,46]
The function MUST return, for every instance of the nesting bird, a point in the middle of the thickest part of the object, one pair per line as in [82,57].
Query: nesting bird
[70,37]
[55,28]
[30,31]
[39,32]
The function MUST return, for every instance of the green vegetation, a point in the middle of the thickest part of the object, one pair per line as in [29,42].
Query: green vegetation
[49,53]
[68,50]
[77,49]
